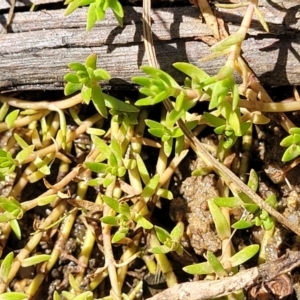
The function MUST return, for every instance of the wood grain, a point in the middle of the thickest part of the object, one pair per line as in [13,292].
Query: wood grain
[39,45]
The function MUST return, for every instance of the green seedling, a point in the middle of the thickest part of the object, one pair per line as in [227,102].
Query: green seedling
[214,266]
[86,79]
[127,217]
[170,241]
[168,134]
[230,125]
[7,164]
[292,143]
[157,87]
[97,10]
[76,294]
[114,167]
[152,184]
[255,216]
[11,209]
[26,149]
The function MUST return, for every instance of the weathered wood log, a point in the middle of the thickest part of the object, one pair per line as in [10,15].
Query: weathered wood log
[38,46]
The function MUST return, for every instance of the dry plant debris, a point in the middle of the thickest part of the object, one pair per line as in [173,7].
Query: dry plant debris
[85,209]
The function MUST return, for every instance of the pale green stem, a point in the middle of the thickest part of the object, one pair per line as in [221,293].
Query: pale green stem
[108,251]
[63,236]
[129,252]
[34,241]
[136,147]
[89,239]
[268,234]
[163,262]
[39,105]
[246,148]
[24,121]
[71,137]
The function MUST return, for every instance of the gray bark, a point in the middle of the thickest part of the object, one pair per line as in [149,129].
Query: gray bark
[35,52]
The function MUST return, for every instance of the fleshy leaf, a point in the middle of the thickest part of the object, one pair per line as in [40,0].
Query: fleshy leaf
[243,255]
[199,269]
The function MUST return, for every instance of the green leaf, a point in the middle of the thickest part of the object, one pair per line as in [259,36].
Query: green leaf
[112,161]
[294,130]
[119,235]
[179,102]
[253,180]
[160,249]
[222,226]
[164,194]
[91,60]
[99,168]
[113,221]
[73,283]
[194,72]
[177,232]
[98,100]
[108,180]
[71,88]
[71,77]
[76,66]
[157,132]
[201,172]
[241,224]
[6,217]
[213,120]
[6,266]
[9,204]
[11,118]
[154,125]
[143,222]
[151,187]
[116,7]
[173,117]
[46,200]
[20,141]
[119,105]
[261,19]
[23,155]
[86,93]
[168,145]
[243,255]
[56,296]
[101,145]
[101,74]
[228,202]
[235,97]
[34,260]
[291,152]
[199,269]
[112,203]
[124,209]
[268,223]
[88,295]
[13,296]
[157,73]
[272,201]
[72,6]
[216,265]
[142,169]
[161,233]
